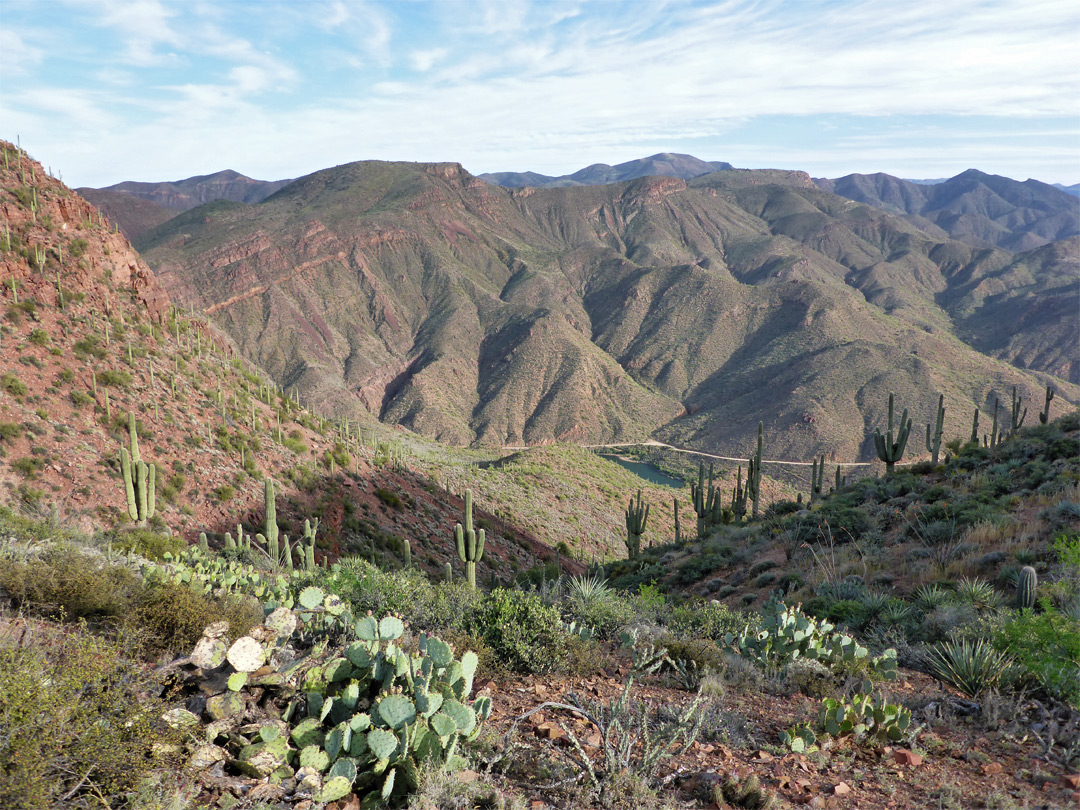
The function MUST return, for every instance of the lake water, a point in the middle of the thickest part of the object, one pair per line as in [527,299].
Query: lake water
[646,471]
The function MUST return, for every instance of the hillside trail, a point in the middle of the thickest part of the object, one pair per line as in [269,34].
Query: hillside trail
[662,445]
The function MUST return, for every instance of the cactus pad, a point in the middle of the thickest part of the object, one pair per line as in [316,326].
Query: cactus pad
[397,711]
[439,652]
[282,622]
[334,604]
[367,629]
[334,789]
[209,653]
[390,628]
[311,597]
[308,732]
[237,681]
[314,757]
[246,654]
[382,743]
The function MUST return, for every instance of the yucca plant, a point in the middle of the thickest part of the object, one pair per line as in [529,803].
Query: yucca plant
[931,597]
[978,593]
[875,603]
[588,591]
[895,613]
[973,668]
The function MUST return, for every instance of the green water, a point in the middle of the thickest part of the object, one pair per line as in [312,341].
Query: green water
[646,471]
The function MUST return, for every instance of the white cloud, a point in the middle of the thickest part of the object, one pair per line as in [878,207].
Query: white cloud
[552,86]
[19,56]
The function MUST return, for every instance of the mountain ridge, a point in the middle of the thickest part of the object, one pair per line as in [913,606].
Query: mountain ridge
[476,314]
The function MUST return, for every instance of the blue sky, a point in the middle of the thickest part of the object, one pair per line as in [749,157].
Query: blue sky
[111,90]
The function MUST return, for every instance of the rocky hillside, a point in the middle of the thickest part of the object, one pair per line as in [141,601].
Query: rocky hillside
[979,209]
[685,310]
[89,336]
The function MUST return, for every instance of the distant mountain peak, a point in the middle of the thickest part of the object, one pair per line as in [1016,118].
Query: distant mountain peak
[665,164]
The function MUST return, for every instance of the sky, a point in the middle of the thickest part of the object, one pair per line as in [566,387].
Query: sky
[110,90]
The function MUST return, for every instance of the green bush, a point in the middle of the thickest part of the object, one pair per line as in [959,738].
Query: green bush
[78,729]
[701,619]
[389,498]
[12,384]
[80,398]
[525,634]
[175,615]
[150,544]
[1047,646]
[9,431]
[115,379]
[66,582]
[91,346]
[39,337]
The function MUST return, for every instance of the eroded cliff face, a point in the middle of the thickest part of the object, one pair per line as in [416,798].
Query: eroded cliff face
[59,243]
[688,310]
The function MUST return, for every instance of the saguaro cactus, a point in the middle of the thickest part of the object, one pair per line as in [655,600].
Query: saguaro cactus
[1017,419]
[1026,584]
[1044,416]
[993,440]
[753,473]
[706,500]
[139,478]
[817,478]
[933,439]
[975,428]
[738,496]
[889,450]
[470,543]
[636,518]
[678,538]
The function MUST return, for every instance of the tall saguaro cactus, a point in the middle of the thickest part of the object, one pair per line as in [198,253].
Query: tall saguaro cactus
[678,537]
[470,543]
[706,500]
[753,473]
[933,439]
[891,450]
[636,518]
[817,478]
[1044,416]
[139,478]
[1017,419]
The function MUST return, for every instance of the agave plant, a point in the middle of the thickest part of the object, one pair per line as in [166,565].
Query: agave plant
[973,668]
[978,593]
[875,602]
[895,613]
[930,597]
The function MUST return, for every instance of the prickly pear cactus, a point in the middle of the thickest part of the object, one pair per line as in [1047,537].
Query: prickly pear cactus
[361,708]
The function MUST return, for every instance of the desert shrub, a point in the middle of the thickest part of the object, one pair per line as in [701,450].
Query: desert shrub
[29,466]
[1047,646]
[66,582]
[606,615]
[174,615]
[225,493]
[150,544]
[39,337]
[115,379]
[525,634]
[90,346]
[78,727]
[12,384]
[700,619]
[80,398]
[389,498]
[9,431]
